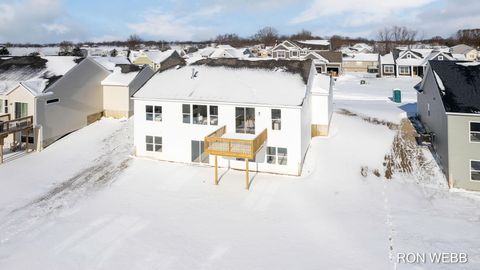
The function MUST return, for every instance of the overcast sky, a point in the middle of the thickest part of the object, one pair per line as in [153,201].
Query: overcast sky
[42,21]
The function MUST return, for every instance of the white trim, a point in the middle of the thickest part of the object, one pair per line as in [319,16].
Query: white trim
[470,131]
[464,114]
[470,170]
[222,103]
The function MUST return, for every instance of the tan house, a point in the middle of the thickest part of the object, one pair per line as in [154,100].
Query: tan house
[470,53]
[157,59]
[361,62]
[119,86]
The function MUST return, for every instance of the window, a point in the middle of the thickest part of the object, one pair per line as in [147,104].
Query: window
[276,119]
[474,131]
[245,120]
[440,57]
[281,54]
[153,113]
[200,116]
[475,170]
[388,69]
[55,100]
[294,53]
[6,106]
[186,113]
[428,109]
[153,143]
[404,70]
[277,155]
[213,115]
[21,110]
[409,56]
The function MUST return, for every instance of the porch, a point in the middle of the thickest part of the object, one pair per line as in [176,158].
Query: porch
[9,126]
[234,145]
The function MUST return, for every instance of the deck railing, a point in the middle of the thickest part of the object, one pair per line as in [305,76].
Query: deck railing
[215,144]
[15,125]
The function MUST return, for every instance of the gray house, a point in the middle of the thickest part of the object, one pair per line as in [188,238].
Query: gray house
[449,106]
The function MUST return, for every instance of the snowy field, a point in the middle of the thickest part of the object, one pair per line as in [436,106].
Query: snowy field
[85,203]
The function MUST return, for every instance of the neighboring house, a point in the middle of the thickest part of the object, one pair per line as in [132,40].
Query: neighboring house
[158,59]
[361,62]
[470,53]
[449,106]
[359,48]
[210,113]
[119,86]
[70,103]
[317,50]
[226,51]
[410,62]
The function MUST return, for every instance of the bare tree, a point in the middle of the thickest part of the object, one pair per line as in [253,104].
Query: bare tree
[133,42]
[65,47]
[302,35]
[389,37]
[267,35]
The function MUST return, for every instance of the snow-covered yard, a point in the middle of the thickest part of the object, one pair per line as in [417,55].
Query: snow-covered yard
[85,203]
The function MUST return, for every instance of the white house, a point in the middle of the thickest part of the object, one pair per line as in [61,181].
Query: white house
[221,114]
[70,103]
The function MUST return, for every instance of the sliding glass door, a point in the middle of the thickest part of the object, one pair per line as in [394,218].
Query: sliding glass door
[198,152]
[21,110]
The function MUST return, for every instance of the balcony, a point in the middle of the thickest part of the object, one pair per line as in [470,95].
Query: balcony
[246,146]
[8,126]
[220,143]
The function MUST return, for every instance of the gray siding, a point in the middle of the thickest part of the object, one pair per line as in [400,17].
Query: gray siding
[437,120]
[462,151]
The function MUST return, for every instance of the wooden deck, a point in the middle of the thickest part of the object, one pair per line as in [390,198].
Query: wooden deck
[15,125]
[219,145]
[8,126]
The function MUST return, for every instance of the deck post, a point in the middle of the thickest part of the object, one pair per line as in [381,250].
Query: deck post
[26,146]
[247,179]
[216,170]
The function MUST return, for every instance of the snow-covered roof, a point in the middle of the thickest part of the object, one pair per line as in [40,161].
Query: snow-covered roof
[35,87]
[370,57]
[159,56]
[461,49]
[321,42]
[387,59]
[31,70]
[226,85]
[117,78]
[110,62]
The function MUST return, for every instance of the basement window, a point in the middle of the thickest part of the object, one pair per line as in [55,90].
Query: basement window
[277,155]
[55,100]
[475,170]
[153,143]
[475,132]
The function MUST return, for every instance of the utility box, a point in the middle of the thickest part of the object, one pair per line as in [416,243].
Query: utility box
[397,96]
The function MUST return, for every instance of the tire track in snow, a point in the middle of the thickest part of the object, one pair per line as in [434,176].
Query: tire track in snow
[104,171]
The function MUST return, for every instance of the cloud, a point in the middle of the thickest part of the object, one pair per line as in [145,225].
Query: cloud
[357,12]
[35,21]
[175,26]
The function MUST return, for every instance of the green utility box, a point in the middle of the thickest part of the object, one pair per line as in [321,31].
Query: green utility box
[397,95]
